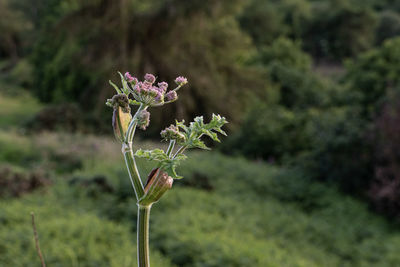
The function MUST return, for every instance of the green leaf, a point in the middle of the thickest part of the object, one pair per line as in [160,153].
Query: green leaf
[167,164]
[125,87]
[199,144]
[115,87]
[134,102]
[198,128]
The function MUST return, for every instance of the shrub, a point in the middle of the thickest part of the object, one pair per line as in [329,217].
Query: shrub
[373,73]
[385,189]
[14,183]
[339,29]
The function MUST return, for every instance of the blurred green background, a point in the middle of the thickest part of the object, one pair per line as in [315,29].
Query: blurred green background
[308,176]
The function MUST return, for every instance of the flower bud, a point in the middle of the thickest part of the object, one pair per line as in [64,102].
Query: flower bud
[158,97]
[128,77]
[153,91]
[158,182]
[137,88]
[172,133]
[163,86]
[150,78]
[146,85]
[143,119]
[181,80]
[171,96]
[120,100]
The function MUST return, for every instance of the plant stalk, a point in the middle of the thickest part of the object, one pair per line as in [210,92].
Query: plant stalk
[143,216]
[127,150]
[170,147]
[143,236]
[133,172]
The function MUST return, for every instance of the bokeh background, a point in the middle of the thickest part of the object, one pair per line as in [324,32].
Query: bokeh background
[308,176]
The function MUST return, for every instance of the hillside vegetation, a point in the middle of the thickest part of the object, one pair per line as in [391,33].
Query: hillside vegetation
[228,211]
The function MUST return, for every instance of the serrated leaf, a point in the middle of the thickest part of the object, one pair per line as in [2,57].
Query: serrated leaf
[167,164]
[199,144]
[212,135]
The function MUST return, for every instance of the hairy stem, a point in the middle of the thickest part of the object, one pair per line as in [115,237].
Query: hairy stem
[127,150]
[180,150]
[133,172]
[143,236]
[143,211]
[170,147]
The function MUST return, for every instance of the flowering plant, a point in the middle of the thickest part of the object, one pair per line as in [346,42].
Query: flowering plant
[145,94]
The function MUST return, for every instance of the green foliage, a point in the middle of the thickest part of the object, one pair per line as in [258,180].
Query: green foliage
[197,128]
[263,31]
[189,138]
[165,162]
[267,20]
[388,26]
[285,52]
[339,137]
[340,29]
[269,132]
[16,108]
[373,73]
[12,24]
[278,129]
[65,71]
[233,203]
[68,237]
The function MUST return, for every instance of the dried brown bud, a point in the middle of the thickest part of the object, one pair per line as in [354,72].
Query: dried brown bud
[143,119]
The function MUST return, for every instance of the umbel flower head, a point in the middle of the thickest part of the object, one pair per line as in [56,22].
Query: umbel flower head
[146,92]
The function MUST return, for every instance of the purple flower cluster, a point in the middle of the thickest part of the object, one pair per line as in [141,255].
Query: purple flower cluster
[147,93]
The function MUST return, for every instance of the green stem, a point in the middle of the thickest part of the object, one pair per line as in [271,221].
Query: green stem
[170,147]
[132,126]
[143,236]
[127,150]
[180,150]
[133,172]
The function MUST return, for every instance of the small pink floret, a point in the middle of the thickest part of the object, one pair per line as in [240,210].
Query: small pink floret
[181,80]
[129,77]
[150,78]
